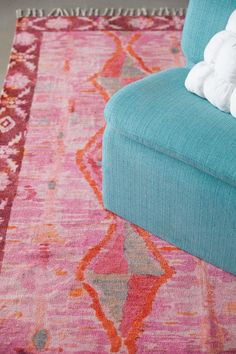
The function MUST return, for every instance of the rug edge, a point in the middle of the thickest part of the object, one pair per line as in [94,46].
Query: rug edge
[108,11]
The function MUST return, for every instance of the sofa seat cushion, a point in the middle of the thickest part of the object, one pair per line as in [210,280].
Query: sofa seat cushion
[160,113]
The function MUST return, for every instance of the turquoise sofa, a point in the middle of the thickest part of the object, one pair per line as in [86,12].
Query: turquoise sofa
[169,156]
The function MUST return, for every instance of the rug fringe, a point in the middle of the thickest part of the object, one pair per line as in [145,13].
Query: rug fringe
[108,11]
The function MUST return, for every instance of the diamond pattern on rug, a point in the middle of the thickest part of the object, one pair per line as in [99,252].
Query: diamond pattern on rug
[75,277]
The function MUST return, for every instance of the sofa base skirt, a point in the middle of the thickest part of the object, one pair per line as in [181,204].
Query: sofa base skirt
[173,200]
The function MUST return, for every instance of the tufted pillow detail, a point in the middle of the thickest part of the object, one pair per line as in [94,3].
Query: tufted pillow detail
[215,77]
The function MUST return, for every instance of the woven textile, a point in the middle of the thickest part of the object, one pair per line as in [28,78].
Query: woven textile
[198,26]
[189,129]
[75,278]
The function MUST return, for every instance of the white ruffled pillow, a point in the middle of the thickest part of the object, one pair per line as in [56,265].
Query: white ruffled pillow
[215,77]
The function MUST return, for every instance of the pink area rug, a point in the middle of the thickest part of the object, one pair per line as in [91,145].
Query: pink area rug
[71,278]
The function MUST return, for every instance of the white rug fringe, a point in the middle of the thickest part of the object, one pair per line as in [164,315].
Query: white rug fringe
[162,11]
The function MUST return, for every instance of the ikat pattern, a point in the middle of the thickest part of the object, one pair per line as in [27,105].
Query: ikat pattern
[76,278]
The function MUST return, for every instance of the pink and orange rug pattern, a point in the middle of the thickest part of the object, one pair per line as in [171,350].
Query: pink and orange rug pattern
[76,278]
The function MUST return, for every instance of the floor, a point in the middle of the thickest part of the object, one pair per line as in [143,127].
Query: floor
[8,15]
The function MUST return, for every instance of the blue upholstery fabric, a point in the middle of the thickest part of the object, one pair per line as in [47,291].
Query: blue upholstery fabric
[171,199]
[204,19]
[169,156]
[160,113]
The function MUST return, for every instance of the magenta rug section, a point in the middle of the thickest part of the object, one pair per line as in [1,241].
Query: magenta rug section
[76,278]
